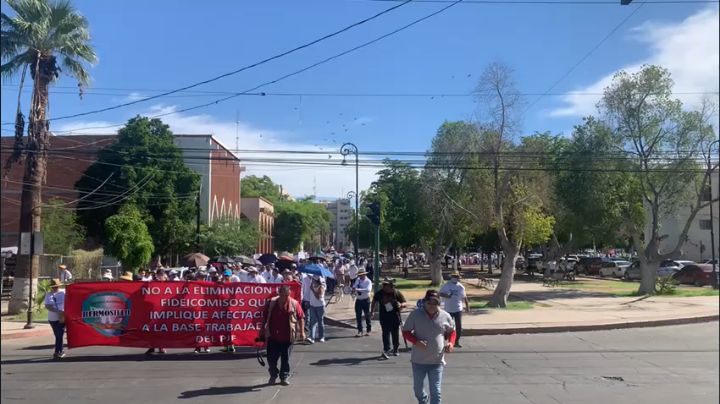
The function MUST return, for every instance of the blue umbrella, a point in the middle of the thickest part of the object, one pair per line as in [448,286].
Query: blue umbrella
[314,269]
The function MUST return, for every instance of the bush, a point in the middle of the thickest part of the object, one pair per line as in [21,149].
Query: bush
[665,285]
[43,287]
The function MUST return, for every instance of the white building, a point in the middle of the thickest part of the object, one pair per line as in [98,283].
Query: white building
[341,214]
[697,247]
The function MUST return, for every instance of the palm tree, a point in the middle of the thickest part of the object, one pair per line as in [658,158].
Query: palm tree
[46,39]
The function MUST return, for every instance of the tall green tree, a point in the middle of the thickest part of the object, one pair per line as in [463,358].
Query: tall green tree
[61,231]
[144,168]
[666,145]
[231,237]
[45,38]
[511,191]
[446,193]
[128,238]
[253,186]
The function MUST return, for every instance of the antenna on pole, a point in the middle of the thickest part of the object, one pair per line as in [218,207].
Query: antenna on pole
[237,130]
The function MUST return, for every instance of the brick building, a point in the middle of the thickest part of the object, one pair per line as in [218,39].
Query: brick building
[220,171]
[64,167]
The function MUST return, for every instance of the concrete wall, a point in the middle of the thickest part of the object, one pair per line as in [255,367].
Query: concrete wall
[697,247]
[262,212]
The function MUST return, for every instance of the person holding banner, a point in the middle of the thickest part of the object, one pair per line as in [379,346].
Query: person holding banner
[55,304]
[283,325]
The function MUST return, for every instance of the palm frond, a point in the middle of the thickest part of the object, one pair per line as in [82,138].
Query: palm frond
[76,69]
[14,65]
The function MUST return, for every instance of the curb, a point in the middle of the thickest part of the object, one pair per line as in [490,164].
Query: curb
[470,332]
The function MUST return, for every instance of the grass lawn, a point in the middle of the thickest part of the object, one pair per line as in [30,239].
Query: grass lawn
[38,316]
[480,303]
[620,288]
[405,284]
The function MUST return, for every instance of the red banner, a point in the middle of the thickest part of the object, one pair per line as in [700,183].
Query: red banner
[167,314]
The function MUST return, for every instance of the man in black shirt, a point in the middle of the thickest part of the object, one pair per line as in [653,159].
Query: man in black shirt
[389,301]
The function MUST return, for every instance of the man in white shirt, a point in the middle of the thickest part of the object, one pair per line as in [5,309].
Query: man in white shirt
[55,304]
[454,294]
[64,275]
[253,276]
[363,287]
[352,273]
[275,276]
[305,292]
[267,273]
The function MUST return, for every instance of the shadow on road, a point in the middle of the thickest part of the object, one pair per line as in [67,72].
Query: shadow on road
[132,358]
[344,361]
[216,391]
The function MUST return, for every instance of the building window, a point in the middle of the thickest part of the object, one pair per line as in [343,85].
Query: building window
[705,224]
[707,193]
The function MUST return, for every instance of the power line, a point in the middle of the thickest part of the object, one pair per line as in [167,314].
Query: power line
[296,72]
[560,2]
[239,70]
[586,56]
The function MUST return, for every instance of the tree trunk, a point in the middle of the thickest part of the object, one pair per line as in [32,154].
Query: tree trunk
[648,276]
[31,198]
[436,268]
[502,290]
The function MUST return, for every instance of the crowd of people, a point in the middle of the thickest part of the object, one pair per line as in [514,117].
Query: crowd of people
[431,330]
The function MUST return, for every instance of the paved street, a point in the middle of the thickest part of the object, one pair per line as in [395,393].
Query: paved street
[677,364]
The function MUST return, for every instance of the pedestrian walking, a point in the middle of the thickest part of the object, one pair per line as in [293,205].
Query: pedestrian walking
[305,292]
[64,275]
[389,301]
[283,325]
[432,333]
[55,304]
[317,310]
[362,288]
[455,302]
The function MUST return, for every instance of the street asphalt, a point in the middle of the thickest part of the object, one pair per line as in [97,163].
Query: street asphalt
[677,364]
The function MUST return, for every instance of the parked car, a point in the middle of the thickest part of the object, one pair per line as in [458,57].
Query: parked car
[632,272]
[589,265]
[715,261]
[670,267]
[695,274]
[615,269]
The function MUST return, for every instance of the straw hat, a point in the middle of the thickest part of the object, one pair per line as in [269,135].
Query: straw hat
[361,273]
[55,283]
[62,266]
[127,276]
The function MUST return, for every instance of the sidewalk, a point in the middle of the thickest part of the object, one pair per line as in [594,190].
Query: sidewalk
[15,329]
[559,310]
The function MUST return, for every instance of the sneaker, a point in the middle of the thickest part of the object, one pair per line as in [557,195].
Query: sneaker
[385,355]
[150,351]
[395,353]
[284,382]
[309,341]
[272,381]
[359,334]
[197,350]
[206,350]
[367,333]
[321,340]
[457,345]
[231,349]
[61,355]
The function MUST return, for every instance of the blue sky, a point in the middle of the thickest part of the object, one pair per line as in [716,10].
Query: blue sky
[150,45]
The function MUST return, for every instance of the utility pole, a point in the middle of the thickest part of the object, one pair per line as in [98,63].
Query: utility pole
[374,217]
[197,219]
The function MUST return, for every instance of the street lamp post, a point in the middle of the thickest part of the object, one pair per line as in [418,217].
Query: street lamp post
[346,149]
[712,221]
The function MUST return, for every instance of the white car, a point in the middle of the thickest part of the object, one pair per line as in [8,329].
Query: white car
[614,269]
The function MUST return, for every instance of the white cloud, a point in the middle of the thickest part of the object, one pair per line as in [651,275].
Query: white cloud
[134,97]
[689,49]
[328,181]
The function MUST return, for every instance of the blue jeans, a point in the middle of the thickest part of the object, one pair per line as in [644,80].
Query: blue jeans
[317,322]
[434,376]
[58,329]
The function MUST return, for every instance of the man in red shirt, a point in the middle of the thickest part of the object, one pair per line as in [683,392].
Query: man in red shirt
[284,324]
